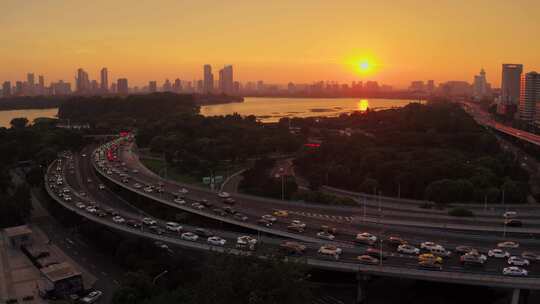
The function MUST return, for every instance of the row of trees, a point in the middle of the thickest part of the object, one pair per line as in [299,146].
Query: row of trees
[28,149]
[433,151]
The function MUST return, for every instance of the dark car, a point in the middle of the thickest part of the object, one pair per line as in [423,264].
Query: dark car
[155,229]
[396,241]
[464,249]
[376,253]
[229,210]
[203,232]
[206,203]
[219,211]
[229,201]
[133,223]
[513,223]
[264,222]
[429,265]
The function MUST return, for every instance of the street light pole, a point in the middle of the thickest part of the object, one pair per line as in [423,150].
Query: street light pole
[159,276]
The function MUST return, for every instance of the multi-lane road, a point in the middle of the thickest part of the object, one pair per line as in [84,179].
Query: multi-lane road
[79,170]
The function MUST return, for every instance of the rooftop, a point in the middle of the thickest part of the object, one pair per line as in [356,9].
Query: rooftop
[58,272]
[17,230]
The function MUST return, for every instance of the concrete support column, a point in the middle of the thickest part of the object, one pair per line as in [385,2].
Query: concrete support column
[515,296]
[361,288]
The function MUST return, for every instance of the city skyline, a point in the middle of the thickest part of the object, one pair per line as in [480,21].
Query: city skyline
[299,44]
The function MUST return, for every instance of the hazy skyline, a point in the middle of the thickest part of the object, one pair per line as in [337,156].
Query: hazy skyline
[281,41]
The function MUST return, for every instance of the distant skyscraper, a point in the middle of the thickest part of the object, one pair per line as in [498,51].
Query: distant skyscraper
[41,83]
[430,87]
[167,87]
[529,102]
[19,88]
[122,86]
[113,88]
[417,86]
[480,85]
[510,84]
[82,82]
[177,86]
[30,78]
[208,79]
[152,86]
[104,84]
[6,89]
[226,82]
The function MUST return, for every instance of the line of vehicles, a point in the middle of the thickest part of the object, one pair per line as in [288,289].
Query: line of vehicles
[430,255]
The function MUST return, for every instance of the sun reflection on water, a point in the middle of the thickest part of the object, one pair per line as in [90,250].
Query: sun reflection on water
[363,105]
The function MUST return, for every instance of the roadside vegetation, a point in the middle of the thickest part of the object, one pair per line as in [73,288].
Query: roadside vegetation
[27,150]
[434,151]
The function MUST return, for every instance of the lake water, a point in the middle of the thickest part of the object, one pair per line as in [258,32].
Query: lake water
[265,109]
[31,114]
[272,109]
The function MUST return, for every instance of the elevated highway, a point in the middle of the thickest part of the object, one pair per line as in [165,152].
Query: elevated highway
[393,267]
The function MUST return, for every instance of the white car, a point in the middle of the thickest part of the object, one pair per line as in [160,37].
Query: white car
[179,201]
[408,249]
[118,219]
[183,190]
[428,245]
[325,235]
[198,206]
[498,253]
[92,297]
[189,236]
[269,218]
[508,244]
[67,198]
[330,251]
[148,189]
[149,221]
[510,214]
[298,223]
[101,187]
[173,226]
[518,261]
[246,242]
[91,209]
[515,271]
[80,205]
[216,241]
[365,237]
[137,186]
[224,195]
[134,171]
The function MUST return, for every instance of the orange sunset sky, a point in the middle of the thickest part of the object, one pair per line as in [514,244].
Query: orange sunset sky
[276,41]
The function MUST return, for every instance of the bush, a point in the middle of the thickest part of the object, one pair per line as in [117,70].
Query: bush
[461,212]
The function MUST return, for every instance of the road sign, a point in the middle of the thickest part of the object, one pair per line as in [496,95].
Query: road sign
[206,180]
[218,179]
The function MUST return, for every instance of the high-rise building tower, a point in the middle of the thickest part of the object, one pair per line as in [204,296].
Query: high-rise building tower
[177,86]
[529,101]
[122,86]
[152,86]
[226,82]
[208,79]
[104,85]
[480,85]
[510,84]
[82,82]
[30,78]
[6,89]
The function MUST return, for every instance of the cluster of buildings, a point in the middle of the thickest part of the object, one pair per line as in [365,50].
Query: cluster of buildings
[480,89]
[84,85]
[520,95]
[43,270]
